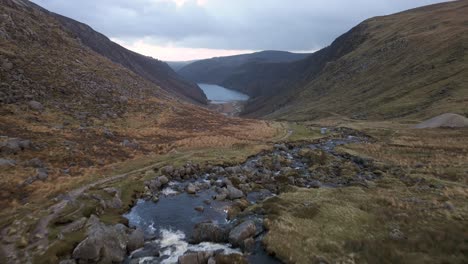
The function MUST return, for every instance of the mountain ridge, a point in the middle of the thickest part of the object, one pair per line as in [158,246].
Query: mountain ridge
[152,69]
[218,69]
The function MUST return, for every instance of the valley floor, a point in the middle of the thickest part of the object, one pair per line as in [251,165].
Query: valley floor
[412,210]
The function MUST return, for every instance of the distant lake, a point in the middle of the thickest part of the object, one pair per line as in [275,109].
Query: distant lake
[218,94]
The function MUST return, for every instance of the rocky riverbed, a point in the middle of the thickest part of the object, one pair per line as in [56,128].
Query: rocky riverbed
[192,214]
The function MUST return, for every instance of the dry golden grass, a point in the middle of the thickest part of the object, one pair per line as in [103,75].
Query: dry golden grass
[158,126]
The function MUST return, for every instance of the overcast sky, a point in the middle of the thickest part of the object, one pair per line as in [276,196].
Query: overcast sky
[194,29]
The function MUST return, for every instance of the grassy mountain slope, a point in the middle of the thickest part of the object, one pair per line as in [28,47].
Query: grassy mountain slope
[152,69]
[410,64]
[78,112]
[218,70]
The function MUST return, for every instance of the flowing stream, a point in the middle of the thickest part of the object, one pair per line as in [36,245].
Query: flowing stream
[169,222]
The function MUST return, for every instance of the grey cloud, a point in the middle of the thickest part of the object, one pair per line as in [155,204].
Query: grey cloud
[227,24]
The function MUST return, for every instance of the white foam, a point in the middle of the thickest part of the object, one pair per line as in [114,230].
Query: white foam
[173,246]
[169,191]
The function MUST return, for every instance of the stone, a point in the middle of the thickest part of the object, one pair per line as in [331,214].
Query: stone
[396,234]
[315,184]
[195,258]
[103,244]
[242,232]
[14,145]
[154,185]
[249,245]
[163,180]
[7,65]
[234,193]
[200,208]
[35,163]
[230,259]
[169,170]
[136,240]
[150,249]
[42,174]
[35,105]
[129,144]
[191,189]
[7,163]
[209,232]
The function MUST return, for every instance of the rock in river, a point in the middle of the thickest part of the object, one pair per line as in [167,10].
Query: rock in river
[209,232]
[242,232]
[234,193]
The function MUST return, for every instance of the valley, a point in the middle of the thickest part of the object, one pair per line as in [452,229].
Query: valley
[356,153]
[223,100]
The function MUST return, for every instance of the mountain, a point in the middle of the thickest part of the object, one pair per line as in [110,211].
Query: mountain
[73,111]
[177,65]
[410,64]
[218,70]
[152,69]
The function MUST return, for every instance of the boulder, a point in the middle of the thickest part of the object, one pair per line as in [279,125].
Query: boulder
[234,170]
[163,180]
[249,245]
[191,189]
[14,145]
[195,258]
[242,232]
[136,240]
[104,244]
[169,170]
[230,259]
[209,232]
[154,185]
[42,174]
[129,144]
[234,193]
[199,208]
[35,163]
[34,105]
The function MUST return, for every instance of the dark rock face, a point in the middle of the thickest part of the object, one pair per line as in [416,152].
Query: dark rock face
[104,244]
[242,232]
[136,240]
[209,232]
[154,70]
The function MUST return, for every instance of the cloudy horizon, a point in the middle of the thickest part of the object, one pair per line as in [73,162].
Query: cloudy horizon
[181,30]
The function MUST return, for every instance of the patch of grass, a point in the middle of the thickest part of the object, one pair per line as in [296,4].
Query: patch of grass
[302,132]
[397,225]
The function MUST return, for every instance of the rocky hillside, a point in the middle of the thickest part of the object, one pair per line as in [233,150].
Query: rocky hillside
[222,70]
[152,69]
[67,111]
[407,65]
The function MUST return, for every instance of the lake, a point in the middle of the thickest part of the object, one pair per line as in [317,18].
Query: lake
[219,95]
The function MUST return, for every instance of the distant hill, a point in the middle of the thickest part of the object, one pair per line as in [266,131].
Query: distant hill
[152,69]
[177,65]
[220,69]
[410,64]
